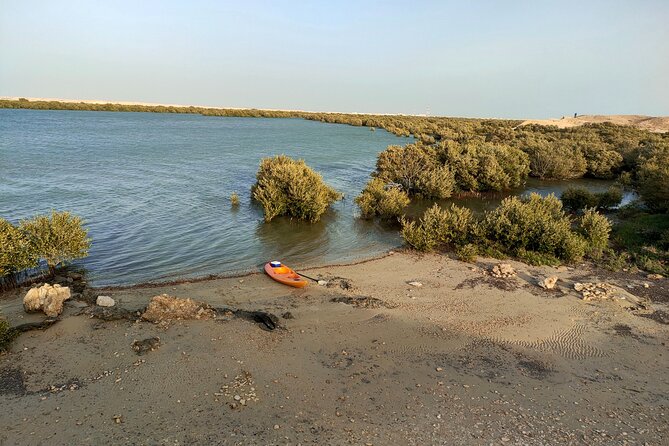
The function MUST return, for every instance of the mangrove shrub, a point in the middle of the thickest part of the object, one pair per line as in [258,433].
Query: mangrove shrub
[417,169]
[576,199]
[56,238]
[595,229]
[533,224]
[378,199]
[16,253]
[653,178]
[482,166]
[439,227]
[289,187]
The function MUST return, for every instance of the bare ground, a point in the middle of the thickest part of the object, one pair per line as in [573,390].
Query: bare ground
[659,124]
[463,359]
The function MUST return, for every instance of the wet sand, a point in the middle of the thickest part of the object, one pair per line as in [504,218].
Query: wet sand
[466,358]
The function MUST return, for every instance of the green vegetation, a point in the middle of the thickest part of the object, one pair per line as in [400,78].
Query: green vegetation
[458,155]
[440,228]
[576,199]
[467,253]
[642,240]
[380,200]
[16,254]
[288,187]
[653,177]
[595,229]
[535,229]
[234,199]
[482,166]
[55,238]
[416,168]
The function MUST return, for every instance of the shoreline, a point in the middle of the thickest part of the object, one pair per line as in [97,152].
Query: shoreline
[237,275]
[464,358]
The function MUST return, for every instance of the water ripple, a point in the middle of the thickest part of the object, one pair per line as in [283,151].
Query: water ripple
[154,188]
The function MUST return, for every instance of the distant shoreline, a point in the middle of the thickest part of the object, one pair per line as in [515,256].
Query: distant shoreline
[656,124]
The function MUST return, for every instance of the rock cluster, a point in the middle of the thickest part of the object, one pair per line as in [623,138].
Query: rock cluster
[239,392]
[503,271]
[47,298]
[593,291]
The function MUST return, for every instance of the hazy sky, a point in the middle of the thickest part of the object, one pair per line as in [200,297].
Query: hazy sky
[456,58]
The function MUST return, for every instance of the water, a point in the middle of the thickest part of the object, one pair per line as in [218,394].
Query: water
[489,200]
[154,189]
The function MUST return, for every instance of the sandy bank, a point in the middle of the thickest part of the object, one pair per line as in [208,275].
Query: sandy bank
[465,358]
[659,124]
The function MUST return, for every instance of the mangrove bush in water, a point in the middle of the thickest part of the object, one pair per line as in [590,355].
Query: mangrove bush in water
[289,187]
[379,199]
[16,253]
[576,199]
[55,238]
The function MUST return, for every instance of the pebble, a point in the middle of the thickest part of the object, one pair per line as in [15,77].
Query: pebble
[416,284]
[105,301]
[276,426]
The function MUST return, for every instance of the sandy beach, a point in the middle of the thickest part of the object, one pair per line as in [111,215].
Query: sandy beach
[464,358]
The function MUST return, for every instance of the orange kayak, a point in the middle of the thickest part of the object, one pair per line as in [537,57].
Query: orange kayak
[283,274]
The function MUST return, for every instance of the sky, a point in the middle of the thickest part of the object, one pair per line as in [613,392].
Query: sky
[505,59]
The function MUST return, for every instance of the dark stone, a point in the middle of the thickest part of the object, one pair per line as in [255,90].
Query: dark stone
[146,345]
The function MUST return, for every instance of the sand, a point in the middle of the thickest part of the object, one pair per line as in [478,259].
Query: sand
[658,124]
[465,358]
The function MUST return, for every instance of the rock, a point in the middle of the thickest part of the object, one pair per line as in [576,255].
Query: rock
[166,308]
[288,315]
[415,284]
[503,270]
[105,301]
[75,276]
[48,298]
[548,283]
[322,282]
[146,345]
[655,276]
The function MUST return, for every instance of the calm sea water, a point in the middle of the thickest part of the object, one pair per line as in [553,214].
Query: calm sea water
[154,189]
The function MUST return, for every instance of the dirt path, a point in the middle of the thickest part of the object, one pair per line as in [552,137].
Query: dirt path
[465,358]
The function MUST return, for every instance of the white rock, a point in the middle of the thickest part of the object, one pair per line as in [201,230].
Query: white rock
[105,301]
[322,282]
[416,284]
[548,283]
[47,298]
